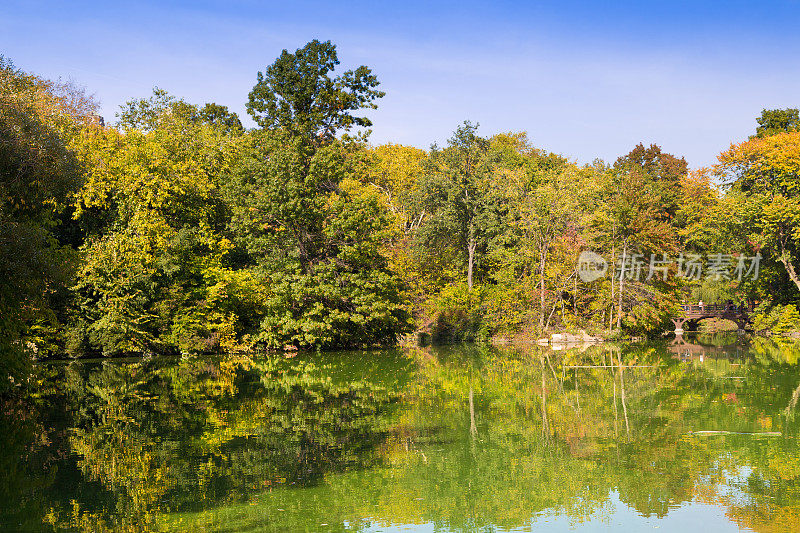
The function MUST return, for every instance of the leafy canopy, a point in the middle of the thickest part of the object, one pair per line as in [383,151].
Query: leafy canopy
[38,173]
[297,93]
[774,121]
[147,114]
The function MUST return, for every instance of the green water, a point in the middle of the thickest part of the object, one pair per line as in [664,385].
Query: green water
[610,438]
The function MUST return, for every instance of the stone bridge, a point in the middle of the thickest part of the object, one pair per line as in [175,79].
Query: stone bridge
[694,313]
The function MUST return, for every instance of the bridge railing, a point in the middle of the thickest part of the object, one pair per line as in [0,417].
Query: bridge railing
[696,310]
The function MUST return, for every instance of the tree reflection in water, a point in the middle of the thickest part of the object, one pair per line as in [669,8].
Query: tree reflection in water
[462,437]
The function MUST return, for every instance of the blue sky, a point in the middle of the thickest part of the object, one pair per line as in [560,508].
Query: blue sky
[584,79]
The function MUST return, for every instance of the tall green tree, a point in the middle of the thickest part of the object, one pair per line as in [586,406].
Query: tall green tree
[314,232]
[453,194]
[315,235]
[297,93]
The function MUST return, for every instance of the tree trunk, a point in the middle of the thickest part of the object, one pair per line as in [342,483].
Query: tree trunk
[542,260]
[575,295]
[621,283]
[611,307]
[559,300]
[471,260]
[786,259]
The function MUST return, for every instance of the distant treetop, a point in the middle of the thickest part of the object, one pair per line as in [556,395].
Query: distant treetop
[774,121]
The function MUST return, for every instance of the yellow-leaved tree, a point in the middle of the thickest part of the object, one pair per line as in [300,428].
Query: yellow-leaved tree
[156,275]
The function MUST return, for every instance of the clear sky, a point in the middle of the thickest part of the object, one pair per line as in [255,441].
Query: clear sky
[584,79]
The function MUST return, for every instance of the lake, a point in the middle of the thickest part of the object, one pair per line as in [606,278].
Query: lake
[702,433]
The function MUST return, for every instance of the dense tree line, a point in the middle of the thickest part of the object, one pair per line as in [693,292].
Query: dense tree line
[178,230]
